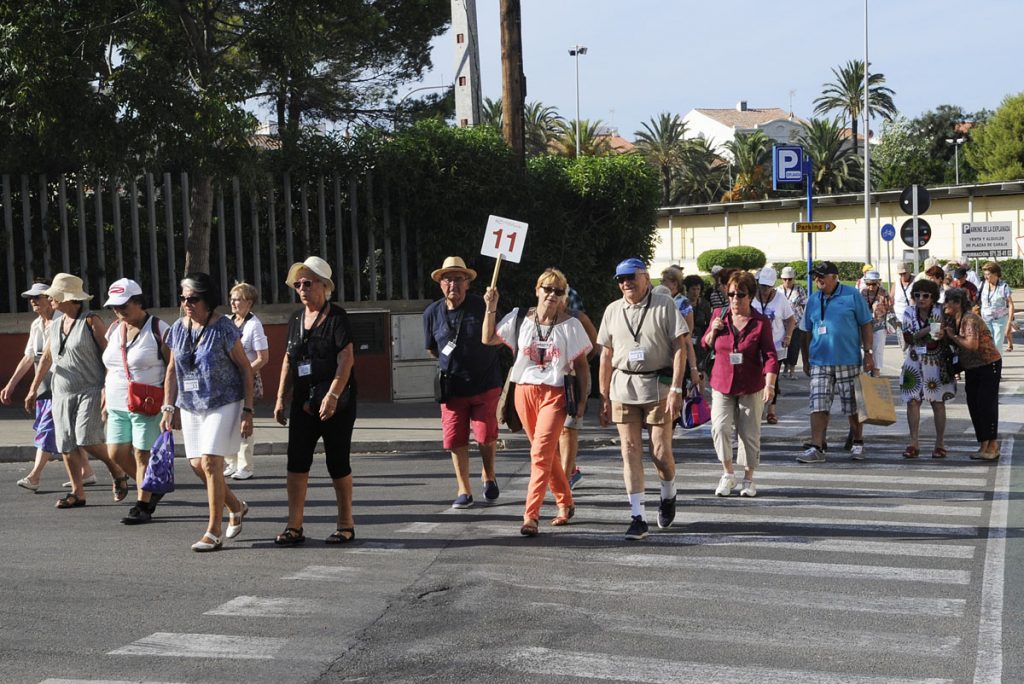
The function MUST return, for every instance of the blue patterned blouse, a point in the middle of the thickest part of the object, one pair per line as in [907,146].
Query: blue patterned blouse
[207,377]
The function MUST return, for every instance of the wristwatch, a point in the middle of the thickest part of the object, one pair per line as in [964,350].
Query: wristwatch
[168,408]
[677,390]
[334,396]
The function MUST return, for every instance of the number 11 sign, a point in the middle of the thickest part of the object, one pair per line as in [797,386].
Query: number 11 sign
[504,239]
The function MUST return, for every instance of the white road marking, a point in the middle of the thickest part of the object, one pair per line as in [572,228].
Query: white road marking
[419,528]
[335,573]
[98,681]
[258,606]
[203,646]
[989,662]
[379,547]
[556,663]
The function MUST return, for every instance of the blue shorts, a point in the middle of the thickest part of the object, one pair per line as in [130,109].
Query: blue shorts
[124,427]
[46,435]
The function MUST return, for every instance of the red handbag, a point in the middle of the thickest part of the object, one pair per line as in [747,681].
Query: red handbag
[142,398]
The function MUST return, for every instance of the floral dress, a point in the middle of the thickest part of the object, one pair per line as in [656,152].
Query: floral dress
[925,375]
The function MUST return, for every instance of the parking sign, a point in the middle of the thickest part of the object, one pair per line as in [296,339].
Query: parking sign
[787,164]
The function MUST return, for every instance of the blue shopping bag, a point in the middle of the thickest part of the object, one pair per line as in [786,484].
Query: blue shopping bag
[160,471]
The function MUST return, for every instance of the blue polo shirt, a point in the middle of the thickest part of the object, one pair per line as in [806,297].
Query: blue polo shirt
[473,365]
[844,312]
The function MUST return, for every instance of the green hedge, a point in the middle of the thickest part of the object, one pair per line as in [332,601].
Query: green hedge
[747,258]
[1013,272]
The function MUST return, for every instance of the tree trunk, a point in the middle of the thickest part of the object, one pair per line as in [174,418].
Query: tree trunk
[197,251]
[513,82]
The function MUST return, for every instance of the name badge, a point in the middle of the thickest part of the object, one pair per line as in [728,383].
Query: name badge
[448,348]
[190,383]
[305,368]
[636,356]
[735,358]
[822,329]
[921,350]
[545,344]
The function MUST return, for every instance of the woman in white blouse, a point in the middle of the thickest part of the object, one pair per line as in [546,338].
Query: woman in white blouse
[548,343]
[254,342]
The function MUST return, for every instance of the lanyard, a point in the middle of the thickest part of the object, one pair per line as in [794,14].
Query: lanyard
[541,336]
[738,335]
[825,301]
[307,333]
[640,325]
[193,340]
[125,344]
[991,291]
[917,315]
[456,330]
[64,336]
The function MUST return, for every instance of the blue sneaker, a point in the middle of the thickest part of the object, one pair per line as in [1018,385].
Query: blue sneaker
[575,478]
[463,501]
[491,491]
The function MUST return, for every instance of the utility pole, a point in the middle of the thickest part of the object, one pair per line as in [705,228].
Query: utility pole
[513,82]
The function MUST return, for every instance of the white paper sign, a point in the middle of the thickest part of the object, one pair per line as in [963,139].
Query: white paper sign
[505,237]
[992,239]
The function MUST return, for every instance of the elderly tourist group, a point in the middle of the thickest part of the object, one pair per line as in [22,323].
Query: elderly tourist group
[109,392]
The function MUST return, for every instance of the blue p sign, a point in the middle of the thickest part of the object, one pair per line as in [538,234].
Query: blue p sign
[787,164]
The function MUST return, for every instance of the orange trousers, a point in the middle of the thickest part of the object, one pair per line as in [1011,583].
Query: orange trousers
[542,410]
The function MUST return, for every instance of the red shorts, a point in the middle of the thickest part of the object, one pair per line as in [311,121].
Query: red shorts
[478,411]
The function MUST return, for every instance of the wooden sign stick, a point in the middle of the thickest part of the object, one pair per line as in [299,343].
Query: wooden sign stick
[497,268]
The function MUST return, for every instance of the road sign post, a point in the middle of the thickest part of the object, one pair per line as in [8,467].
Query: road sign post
[888,232]
[789,165]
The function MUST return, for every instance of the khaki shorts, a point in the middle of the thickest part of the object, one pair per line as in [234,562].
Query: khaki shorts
[651,414]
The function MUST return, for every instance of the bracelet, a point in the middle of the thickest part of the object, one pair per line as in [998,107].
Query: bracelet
[493,312]
[168,408]
[246,409]
[677,390]
[334,396]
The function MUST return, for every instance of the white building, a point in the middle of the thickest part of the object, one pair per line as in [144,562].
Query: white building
[719,126]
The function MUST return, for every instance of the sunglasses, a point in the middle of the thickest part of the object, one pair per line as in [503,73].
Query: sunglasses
[922,295]
[557,291]
[623,278]
[737,295]
[303,284]
[194,299]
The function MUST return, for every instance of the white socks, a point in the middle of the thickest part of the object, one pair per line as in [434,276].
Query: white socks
[668,488]
[636,505]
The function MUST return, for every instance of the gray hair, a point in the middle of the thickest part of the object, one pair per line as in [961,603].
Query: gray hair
[958,295]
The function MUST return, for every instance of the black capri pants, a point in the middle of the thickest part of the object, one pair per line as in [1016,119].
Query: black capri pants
[982,389]
[304,431]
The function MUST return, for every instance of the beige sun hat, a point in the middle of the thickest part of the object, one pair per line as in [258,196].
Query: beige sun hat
[316,265]
[67,288]
[453,263]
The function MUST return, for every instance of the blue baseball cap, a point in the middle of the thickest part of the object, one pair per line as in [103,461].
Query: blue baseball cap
[629,267]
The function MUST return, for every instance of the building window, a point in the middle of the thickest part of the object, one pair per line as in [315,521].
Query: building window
[462,80]
[460,38]
[463,123]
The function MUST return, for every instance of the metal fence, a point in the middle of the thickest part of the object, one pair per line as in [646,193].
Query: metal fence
[103,228]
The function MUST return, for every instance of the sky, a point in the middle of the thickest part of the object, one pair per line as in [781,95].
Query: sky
[650,56]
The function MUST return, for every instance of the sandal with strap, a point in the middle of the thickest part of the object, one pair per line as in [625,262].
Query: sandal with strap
[529,529]
[911,452]
[120,487]
[203,546]
[290,537]
[772,419]
[564,515]
[339,536]
[938,452]
[70,501]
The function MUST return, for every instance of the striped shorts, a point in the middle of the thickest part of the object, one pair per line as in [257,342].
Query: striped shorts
[825,380]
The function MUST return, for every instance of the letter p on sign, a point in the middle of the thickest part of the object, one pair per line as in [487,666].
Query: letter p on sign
[788,163]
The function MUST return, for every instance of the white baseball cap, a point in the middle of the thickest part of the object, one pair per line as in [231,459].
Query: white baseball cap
[872,276]
[120,291]
[36,290]
[788,272]
[767,276]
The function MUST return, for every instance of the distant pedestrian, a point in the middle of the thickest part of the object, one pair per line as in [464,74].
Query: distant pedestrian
[795,293]
[779,312]
[880,305]
[471,375]
[901,300]
[568,443]
[242,298]
[38,338]
[996,299]
[547,345]
[838,325]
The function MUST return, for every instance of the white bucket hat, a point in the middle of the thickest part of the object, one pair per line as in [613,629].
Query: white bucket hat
[788,272]
[315,264]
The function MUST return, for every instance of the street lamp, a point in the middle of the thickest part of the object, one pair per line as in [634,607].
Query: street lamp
[956,142]
[576,51]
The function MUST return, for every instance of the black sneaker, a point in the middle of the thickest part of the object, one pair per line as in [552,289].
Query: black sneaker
[637,528]
[491,491]
[666,512]
[137,515]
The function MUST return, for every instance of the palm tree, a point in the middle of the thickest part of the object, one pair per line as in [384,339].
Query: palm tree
[837,168]
[591,144]
[703,176]
[662,142]
[846,94]
[541,127]
[490,113]
[751,154]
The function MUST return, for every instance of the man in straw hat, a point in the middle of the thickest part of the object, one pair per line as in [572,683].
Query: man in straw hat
[469,375]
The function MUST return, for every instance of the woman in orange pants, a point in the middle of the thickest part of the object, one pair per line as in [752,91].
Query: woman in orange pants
[548,343]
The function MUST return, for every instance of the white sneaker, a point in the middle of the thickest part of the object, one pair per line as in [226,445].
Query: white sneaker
[242,474]
[812,455]
[749,489]
[857,451]
[88,482]
[229,470]
[726,485]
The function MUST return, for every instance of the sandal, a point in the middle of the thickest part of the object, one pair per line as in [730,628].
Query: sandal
[339,536]
[911,452]
[203,546]
[70,501]
[772,419]
[938,452]
[564,515]
[290,537]
[529,529]
[120,487]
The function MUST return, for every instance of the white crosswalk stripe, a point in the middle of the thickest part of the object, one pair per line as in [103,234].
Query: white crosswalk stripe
[168,644]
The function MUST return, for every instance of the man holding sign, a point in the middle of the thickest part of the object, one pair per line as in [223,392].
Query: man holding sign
[644,339]
[469,374]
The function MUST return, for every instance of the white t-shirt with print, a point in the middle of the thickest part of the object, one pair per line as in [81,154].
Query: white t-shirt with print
[143,362]
[778,311]
[565,342]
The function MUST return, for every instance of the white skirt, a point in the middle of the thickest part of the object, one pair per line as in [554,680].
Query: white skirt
[214,432]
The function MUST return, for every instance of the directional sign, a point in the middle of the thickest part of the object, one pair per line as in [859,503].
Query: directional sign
[924,232]
[787,164]
[813,227]
[888,232]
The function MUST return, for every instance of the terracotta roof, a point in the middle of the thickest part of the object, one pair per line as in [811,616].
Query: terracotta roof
[748,118]
[619,144]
